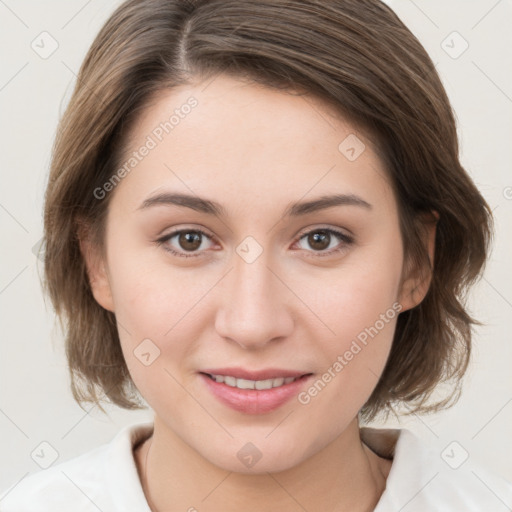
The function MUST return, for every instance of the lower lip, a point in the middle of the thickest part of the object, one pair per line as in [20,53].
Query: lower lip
[254,401]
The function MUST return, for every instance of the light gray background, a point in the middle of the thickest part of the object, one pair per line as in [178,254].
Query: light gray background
[35,402]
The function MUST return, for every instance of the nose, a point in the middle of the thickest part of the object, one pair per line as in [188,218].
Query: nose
[255,304]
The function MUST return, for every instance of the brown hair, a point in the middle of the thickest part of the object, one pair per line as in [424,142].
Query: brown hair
[354,54]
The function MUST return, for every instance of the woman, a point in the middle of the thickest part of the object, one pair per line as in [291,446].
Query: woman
[257,221]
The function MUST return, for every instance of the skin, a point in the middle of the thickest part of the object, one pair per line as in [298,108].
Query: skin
[255,151]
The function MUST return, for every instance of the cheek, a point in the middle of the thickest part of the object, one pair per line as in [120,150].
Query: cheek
[147,293]
[155,329]
[359,304]
[151,313]
[354,295]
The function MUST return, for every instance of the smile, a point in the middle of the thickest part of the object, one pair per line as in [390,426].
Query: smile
[254,396]
[252,384]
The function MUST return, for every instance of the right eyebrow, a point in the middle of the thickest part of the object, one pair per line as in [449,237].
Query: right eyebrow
[195,203]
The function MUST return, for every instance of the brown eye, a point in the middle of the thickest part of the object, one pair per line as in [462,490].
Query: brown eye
[320,241]
[188,240]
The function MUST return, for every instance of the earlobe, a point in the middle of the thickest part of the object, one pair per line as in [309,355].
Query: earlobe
[96,271]
[416,285]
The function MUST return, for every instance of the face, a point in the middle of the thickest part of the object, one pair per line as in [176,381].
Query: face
[252,283]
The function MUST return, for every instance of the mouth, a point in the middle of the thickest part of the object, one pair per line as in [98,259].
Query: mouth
[256,395]
[259,385]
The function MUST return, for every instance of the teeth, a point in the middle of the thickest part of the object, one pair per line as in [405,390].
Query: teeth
[253,384]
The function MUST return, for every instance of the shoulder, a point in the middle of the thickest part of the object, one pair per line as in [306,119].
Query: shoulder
[448,480]
[69,484]
[96,480]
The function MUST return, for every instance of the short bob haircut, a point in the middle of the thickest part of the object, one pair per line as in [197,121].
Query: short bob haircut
[355,55]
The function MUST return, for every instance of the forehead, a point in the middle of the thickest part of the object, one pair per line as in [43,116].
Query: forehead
[231,138]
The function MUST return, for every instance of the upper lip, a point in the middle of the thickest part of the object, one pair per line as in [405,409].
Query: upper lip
[268,373]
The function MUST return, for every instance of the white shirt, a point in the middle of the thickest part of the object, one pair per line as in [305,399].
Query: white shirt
[105,479]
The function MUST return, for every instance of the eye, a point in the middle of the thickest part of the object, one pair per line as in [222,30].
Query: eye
[321,238]
[189,240]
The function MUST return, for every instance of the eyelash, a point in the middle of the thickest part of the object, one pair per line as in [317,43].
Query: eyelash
[348,240]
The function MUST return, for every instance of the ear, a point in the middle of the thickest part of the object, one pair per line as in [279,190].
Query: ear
[416,282]
[96,269]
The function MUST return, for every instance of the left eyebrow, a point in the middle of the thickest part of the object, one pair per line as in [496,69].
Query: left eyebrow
[294,210]
[324,202]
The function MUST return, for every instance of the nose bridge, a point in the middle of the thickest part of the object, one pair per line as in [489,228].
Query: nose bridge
[253,310]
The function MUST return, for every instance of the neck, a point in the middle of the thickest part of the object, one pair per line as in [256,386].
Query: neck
[343,476]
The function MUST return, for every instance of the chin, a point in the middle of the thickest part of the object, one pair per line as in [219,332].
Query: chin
[267,464]
[255,457]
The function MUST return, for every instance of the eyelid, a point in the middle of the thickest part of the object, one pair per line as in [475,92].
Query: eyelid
[319,227]
[346,240]
[161,241]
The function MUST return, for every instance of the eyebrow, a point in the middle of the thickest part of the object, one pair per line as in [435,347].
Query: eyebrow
[213,208]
